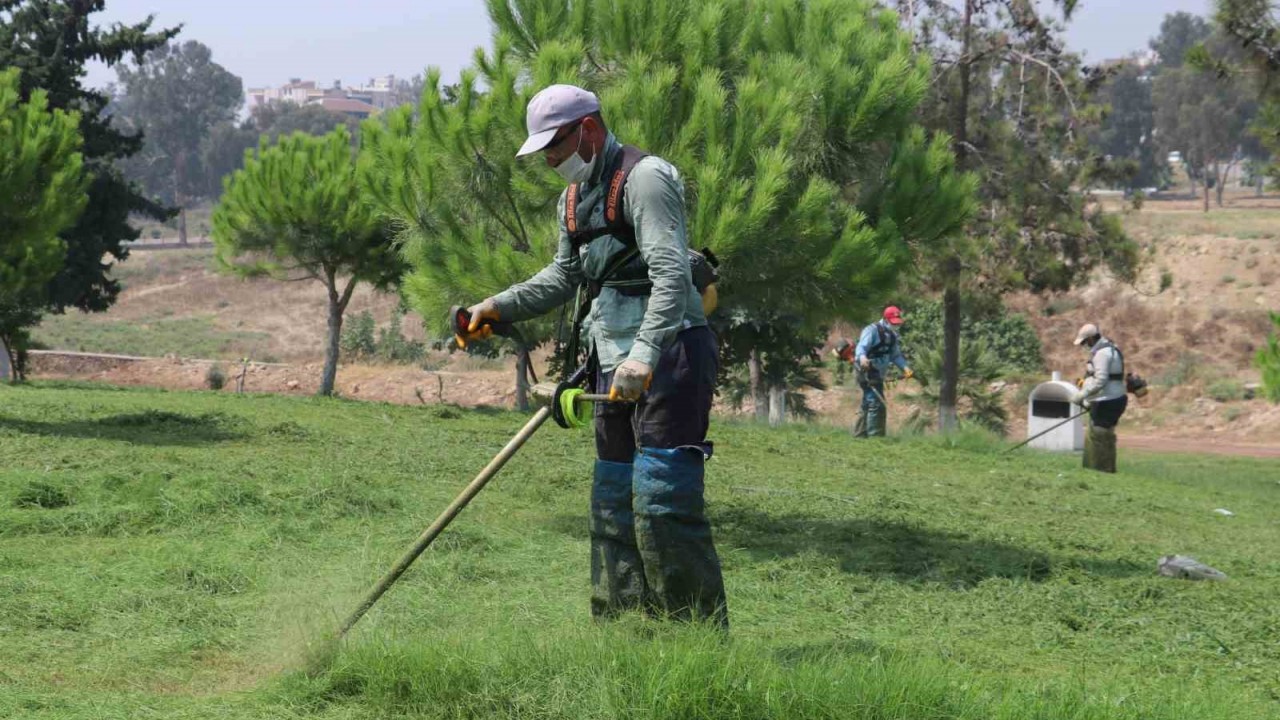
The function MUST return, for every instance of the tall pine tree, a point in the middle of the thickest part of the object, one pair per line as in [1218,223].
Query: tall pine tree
[1018,106]
[786,118]
[50,42]
[41,192]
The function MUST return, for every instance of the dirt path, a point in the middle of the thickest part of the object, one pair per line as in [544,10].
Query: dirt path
[472,387]
[1183,445]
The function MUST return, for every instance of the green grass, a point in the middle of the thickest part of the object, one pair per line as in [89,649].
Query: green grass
[198,224]
[181,555]
[152,337]
[149,266]
[1242,224]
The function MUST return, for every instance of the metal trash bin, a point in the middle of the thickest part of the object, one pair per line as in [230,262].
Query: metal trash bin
[1050,404]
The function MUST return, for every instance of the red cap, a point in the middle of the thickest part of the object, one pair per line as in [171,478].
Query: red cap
[893,315]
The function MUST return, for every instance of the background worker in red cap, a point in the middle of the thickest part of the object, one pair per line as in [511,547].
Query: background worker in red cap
[878,348]
[622,237]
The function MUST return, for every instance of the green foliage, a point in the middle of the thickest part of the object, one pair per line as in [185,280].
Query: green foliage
[394,347]
[52,41]
[1186,369]
[41,187]
[1202,110]
[222,152]
[979,405]
[778,113]
[1254,27]
[215,377]
[1022,110]
[1180,32]
[212,535]
[1126,130]
[358,336]
[151,336]
[1226,390]
[1268,362]
[295,211]
[389,345]
[175,96]
[1008,337]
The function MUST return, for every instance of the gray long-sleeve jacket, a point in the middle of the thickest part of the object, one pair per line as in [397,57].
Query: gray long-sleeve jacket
[620,326]
[1105,373]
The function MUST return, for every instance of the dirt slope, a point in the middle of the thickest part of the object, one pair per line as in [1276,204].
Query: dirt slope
[1195,340]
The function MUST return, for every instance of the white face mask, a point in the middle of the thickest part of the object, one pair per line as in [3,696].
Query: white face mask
[574,169]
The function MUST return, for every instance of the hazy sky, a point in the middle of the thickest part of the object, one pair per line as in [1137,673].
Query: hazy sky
[266,42]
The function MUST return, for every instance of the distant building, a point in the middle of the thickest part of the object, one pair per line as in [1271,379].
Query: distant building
[381,93]
[350,107]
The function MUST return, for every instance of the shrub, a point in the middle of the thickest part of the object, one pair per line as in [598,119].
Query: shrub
[1226,390]
[979,405]
[357,338]
[1268,361]
[1183,371]
[394,347]
[1008,337]
[215,378]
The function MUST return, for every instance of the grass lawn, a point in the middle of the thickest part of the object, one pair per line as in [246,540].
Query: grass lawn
[154,336]
[181,555]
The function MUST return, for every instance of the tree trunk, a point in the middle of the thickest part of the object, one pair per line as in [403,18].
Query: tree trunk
[6,363]
[522,379]
[777,405]
[1258,181]
[951,294]
[947,391]
[1221,186]
[1206,196]
[337,306]
[759,396]
[179,182]
[331,346]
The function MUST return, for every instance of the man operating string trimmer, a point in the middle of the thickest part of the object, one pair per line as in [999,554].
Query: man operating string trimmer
[878,348]
[622,239]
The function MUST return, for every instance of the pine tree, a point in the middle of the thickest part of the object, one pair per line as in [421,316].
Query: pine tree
[50,42]
[294,211]
[787,119]
[1018,107]
[41,191]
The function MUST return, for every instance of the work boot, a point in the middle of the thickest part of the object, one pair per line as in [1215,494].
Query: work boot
[1100,449]
[617,572]
[680,561]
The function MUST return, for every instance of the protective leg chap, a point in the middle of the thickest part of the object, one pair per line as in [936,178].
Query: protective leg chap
[874,417]
[617,573]
[1100,449]
[674,537]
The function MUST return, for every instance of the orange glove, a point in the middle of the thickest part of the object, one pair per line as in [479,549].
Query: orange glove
[486,310]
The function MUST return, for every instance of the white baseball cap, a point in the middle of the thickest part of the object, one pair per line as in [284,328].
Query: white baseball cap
[553,108]
[1087,331]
